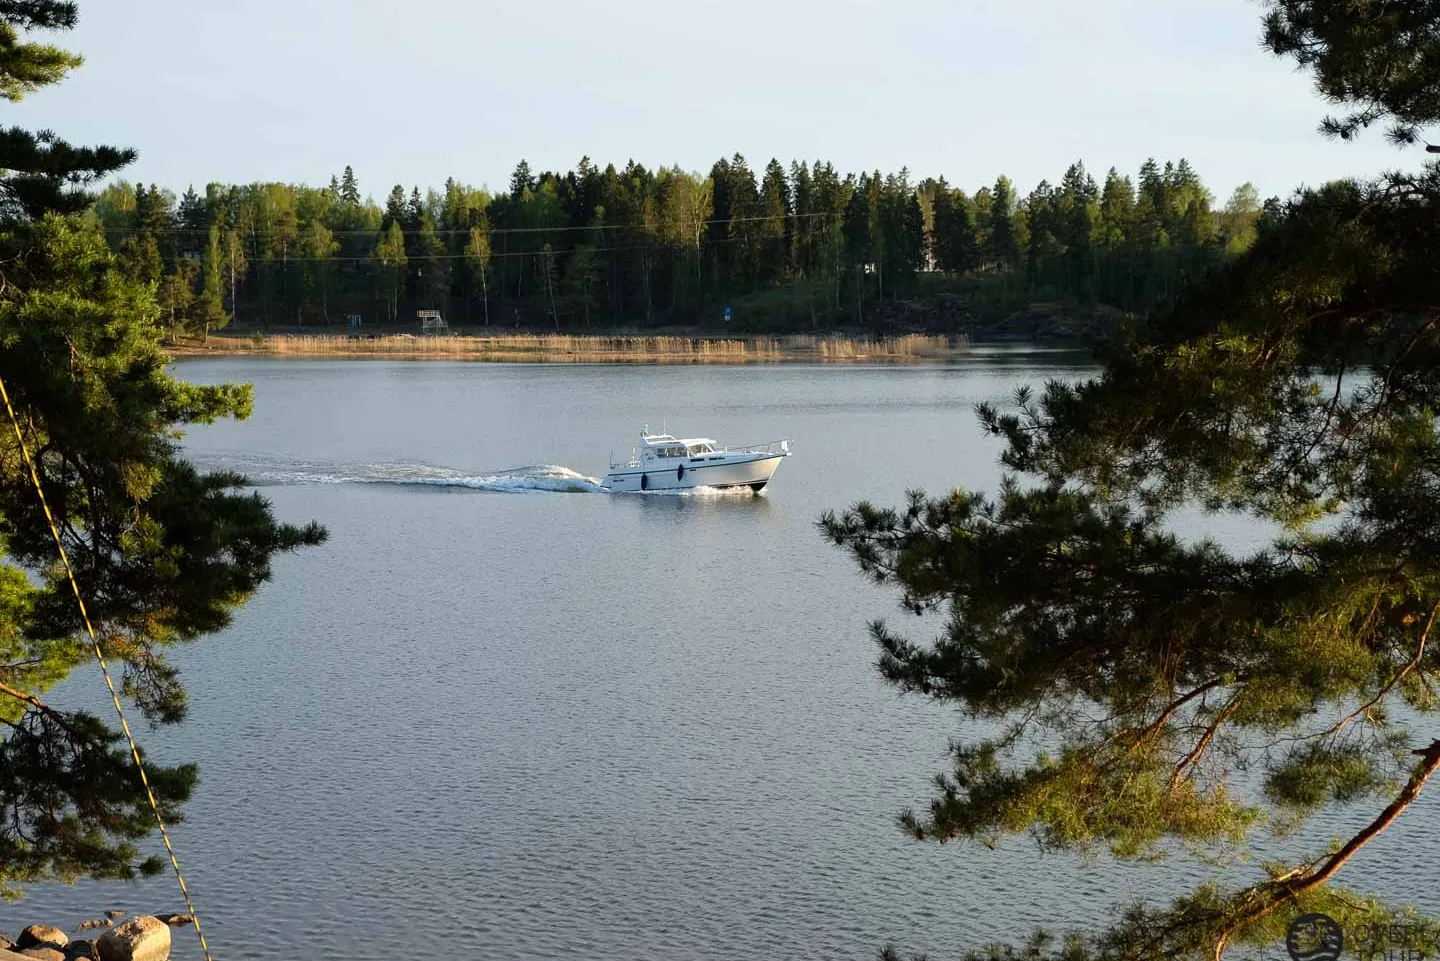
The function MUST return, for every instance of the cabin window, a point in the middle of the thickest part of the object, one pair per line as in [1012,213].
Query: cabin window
[701,449]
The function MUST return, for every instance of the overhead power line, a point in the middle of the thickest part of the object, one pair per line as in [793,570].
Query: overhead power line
[494,231]
[416,259]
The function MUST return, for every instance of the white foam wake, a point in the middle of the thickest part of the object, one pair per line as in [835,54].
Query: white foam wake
[547,477]
[269,471]
[742,491]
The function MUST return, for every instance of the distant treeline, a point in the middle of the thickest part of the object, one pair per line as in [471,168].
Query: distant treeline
[794,249]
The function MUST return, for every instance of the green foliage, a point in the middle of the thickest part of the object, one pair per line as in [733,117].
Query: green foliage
[669,245]
[162,553]
[1379,59]
[40,172]
[1136,672]
[211,313]
[1002,247]
[955,243]
[390,252]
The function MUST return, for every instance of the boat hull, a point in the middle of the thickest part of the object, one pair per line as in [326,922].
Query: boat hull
[753,472]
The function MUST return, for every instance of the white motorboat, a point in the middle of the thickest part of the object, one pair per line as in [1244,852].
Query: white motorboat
[666,463]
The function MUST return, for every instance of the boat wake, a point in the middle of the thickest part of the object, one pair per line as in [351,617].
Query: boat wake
[272,472]
[723,493]
[262,471]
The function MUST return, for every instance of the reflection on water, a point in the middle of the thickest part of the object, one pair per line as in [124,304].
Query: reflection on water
[700,501]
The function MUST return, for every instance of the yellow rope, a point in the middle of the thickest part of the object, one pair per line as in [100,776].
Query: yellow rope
[104,668]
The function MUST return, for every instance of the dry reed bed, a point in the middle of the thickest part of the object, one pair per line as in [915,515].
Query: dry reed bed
[563,348]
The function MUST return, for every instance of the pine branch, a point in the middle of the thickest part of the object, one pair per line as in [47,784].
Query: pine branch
[1174,706]
[1284,890]
[1203,744]
[39,14]
[45,173]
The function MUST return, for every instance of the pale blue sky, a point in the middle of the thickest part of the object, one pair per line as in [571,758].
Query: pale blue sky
[415,91]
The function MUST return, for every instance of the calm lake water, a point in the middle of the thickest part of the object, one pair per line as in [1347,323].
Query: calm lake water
[492,719]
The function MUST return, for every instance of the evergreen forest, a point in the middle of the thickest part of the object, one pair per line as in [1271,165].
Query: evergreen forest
[787,249]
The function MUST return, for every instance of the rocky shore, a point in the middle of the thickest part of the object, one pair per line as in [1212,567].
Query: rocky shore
[114,937]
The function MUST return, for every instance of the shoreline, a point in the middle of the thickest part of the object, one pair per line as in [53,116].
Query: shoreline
[598,348]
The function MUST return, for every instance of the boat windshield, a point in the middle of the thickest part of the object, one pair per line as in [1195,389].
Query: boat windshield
[701,449]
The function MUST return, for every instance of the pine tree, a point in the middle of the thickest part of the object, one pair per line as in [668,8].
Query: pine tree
[802,237]
[1151,207]
[521,181]
[1116,236]
[775,225]
[1079,215]
[745,228]
[1145,693]
[194,212]
[395,209]
[39,172]
[717,226]
[902,233]
[1002,246]
[164,553]
[1117,209]
[859,242]
[1042,246]
[349,188]
[1380,59]
[956,245]
[942,213]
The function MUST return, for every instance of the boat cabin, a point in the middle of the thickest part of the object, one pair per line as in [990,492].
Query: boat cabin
[665,447]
